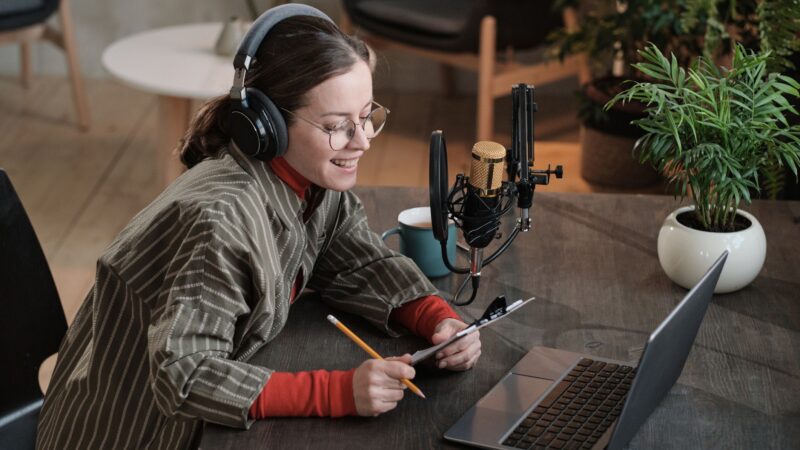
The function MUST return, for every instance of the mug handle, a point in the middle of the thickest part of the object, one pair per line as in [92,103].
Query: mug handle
[390,232]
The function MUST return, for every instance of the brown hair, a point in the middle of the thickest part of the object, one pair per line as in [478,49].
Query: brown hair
[298,54]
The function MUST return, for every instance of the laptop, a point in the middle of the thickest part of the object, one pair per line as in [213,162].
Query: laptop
[557,399]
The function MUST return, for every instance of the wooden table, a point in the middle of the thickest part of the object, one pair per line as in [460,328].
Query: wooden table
[591,258]
[179,65]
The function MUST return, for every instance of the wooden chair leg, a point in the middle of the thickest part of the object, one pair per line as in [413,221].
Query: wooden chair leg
[488,39]
[25,63]
[78,92]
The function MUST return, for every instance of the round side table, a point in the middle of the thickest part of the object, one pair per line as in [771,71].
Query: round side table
[178,64]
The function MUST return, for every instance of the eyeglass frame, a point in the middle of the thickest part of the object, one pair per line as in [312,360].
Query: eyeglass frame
[362,124]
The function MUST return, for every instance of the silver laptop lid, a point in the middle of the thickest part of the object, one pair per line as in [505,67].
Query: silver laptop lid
[664,356]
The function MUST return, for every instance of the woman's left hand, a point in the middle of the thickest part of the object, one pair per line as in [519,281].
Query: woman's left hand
[461,354]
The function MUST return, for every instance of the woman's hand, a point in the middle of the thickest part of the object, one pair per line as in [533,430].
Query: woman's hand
[376,384]
[461,354]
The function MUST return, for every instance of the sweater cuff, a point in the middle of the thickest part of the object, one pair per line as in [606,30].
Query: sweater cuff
[422,315]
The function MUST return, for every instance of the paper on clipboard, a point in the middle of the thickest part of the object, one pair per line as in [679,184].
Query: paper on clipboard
[475,326]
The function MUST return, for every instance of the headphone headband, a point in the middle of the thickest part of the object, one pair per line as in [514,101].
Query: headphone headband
[252,40]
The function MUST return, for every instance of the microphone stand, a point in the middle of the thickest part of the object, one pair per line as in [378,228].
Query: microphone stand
[522,181]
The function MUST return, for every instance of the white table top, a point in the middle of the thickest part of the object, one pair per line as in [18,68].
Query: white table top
[177,61]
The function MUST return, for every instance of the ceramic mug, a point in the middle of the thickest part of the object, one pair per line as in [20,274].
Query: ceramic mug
[417,241]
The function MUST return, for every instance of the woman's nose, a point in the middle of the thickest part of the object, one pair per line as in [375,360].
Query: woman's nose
[359,140]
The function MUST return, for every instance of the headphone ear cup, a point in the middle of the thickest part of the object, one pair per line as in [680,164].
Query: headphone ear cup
[246,129]
[277,136]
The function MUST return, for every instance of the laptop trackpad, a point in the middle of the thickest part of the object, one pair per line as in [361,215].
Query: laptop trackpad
[501,408]
[515,393]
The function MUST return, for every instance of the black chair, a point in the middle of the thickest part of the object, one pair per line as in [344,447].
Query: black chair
[468,34]
[24,21]
[32,322]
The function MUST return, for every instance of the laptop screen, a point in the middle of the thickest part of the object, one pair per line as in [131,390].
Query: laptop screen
[664,356]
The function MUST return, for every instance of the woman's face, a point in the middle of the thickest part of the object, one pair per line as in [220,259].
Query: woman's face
[346,96]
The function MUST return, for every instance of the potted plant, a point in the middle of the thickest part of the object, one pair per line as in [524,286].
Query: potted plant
[610,34]
[712,130]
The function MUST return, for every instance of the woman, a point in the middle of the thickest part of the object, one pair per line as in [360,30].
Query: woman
[205,275]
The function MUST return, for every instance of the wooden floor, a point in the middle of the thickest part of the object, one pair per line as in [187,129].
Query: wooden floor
[80,189]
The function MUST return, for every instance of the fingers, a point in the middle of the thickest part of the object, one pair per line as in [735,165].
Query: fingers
[459,345]
[376,384]
[405,358]
[461,361]
[379,404]
[399,369]
[446,329]
[387,374]
[462,354]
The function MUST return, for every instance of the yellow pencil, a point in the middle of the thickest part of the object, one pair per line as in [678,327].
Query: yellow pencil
[369,350]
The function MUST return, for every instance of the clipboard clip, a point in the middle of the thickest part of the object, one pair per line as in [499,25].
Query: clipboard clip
[497,308]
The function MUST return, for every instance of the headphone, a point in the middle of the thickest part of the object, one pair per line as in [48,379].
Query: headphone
[255,124]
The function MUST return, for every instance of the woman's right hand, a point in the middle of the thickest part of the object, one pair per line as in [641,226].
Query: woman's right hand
[376,384]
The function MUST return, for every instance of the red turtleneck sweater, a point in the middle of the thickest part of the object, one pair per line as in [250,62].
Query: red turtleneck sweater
[323,392]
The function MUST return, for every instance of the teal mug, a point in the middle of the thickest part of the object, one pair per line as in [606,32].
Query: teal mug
[417,241]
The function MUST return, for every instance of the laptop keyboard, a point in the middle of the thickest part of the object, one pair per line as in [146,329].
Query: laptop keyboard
[578,410]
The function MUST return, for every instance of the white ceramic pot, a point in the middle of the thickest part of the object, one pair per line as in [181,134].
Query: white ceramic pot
[685,253]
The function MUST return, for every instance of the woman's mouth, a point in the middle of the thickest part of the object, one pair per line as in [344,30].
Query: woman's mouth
[345,163]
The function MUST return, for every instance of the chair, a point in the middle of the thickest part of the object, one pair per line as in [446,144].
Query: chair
[468,34]
[23,21]
[33,322]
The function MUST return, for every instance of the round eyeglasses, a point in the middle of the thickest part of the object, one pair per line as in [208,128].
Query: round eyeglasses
[343,133]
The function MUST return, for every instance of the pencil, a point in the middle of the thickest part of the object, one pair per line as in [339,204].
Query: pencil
[369,350]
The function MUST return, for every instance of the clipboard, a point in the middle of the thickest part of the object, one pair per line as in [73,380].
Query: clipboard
[496,311]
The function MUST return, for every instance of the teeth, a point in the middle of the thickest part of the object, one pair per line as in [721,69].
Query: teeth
[346,163]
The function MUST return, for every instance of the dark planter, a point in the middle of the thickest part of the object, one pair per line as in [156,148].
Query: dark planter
[607,138]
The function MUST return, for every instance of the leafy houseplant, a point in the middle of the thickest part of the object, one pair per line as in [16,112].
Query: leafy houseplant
[712,130]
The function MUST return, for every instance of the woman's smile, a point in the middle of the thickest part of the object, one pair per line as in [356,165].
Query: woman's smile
[346,163]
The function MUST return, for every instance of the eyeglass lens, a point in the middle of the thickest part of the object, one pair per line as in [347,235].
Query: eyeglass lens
[372,125]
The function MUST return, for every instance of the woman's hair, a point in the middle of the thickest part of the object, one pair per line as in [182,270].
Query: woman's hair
[298,54]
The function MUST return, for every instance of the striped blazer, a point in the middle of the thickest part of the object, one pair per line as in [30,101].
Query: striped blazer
[191,288]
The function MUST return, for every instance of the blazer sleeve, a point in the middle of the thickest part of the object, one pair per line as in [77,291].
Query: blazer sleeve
[191,340]
[358,273]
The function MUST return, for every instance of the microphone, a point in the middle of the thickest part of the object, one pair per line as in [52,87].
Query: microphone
[480,216]
[480,204]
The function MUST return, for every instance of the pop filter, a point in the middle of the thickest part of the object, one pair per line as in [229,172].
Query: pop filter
[437,179]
